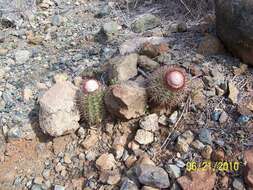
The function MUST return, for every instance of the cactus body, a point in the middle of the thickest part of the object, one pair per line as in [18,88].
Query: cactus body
[91,103]
[167,86]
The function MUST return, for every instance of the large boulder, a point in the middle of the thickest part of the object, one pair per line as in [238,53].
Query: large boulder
[59,114]
[234,20]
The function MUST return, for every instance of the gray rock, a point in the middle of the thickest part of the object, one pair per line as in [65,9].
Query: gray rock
[147,63]
[14,133]
[122,68]
[36,187]
[127,184]
[59,187]
[205,136]
[173,170]
[235,26]
[22,56]
[59,114]
[149,123]
[56,20]
[173,117]
[152,176]
[145,22]
[238,184]
[111,28]
[144,137]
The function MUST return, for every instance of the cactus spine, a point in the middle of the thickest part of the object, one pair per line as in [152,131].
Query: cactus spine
[167,86]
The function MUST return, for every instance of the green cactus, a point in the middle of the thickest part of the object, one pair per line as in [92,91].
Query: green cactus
[161,93]
[91,106]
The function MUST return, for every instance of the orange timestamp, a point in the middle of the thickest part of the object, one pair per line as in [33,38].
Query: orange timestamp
[222,166]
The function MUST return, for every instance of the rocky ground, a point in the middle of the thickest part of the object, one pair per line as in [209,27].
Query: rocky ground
[48,46]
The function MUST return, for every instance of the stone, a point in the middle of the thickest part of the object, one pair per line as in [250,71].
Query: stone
[149,123]
[152,176]
[233,92]
[152,51]
[148,188]
[248,171]
[163,120]
[14,133]
[197,180]
[126,100]
[144,137]
[145,22]
[22,56]
[133,45]
[218,155]
[187,136]
[60,77]
[238,184]
[210,45]
[223,117]
[173,117]
[56,20]
[122,68]
[173,171]
[67,158]
[90,140]
[34,39]
[27,94]
[106,162]
[111,28]
[182,145]
[197,145]
[235,28]
[199,99]
[205,136]
[147,63]
[3,51]
[110,177]
[58,113]
[127,184]
[206,152]
[38,180]
[59,187]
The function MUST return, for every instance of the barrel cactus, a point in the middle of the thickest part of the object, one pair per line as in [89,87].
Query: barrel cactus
[91,102]
[168,86]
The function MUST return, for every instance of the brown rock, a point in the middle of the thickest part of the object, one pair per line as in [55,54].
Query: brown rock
[126,100]
[248,171]
[147,63]
[199,180]
[60,143]
[90,140]
[210,45]
[218,155]
[106,162]
[152,50]
[224,182]
[206,152]
[235,26]
[110,177]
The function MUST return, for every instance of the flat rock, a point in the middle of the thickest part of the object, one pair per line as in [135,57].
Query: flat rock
[59,114]
[126,100]
[199,180]
[152,176]
[21,56]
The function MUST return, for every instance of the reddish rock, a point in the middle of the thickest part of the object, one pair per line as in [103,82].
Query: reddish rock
[126,100]
[199,180]
[210,45]
[152,50]
[248,171]
[218,155]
